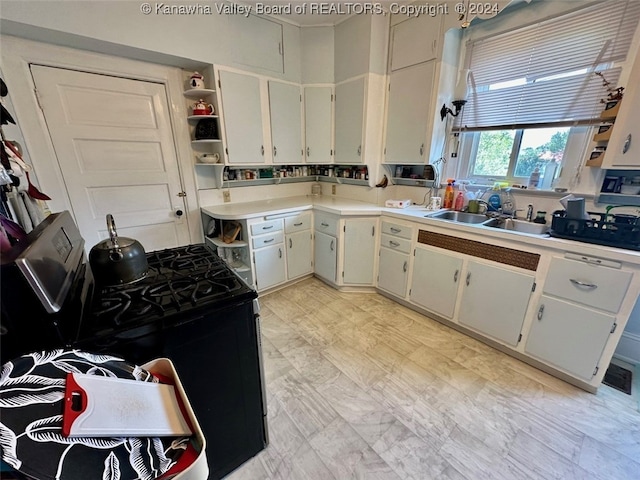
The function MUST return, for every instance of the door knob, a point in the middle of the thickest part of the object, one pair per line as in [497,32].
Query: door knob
[179,213]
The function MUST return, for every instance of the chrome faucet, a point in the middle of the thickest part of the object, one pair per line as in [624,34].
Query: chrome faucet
[530,213]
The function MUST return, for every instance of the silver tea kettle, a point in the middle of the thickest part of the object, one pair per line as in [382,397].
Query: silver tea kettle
[117,260]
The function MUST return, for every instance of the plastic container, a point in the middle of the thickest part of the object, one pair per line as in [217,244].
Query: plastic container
[534,178]
[459,203]
[448,194]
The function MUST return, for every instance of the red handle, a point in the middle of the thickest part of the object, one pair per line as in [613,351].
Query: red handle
[75,403]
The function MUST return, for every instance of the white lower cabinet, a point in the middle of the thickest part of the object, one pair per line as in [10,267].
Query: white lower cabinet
[299,249]
[435,280]
[359,246]
[326,256]
[569,336]
[270,266]
[393,271]
[495,300]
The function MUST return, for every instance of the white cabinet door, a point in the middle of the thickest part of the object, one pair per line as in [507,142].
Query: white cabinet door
[415,41]
[349,121]
[408,114]
[318,116]
[569,336]
[435,281]
[299,254]
[623,149]
[257,42]
[285,109]
[393,271]
[270,266]
[325,256]
[494,301]
[359,245]
[242,114]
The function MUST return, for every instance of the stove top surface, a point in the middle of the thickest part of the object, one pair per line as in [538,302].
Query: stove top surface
[180,281]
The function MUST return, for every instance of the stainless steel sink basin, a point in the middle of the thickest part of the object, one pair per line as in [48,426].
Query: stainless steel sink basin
[517,226]
[460,217]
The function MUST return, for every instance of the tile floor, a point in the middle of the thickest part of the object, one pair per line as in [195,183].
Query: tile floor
[361,387]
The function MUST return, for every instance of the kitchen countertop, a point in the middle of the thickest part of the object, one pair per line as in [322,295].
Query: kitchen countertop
[347,207]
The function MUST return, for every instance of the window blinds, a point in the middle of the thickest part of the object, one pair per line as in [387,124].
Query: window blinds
[544,73]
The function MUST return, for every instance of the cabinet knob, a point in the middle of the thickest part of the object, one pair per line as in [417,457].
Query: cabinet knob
[404,267]
[359,150]
[468,278]
[308,151]
[279,253]
[540,312]
[262,150]
[627,144]
[179,213]
[455,277]
[331,246]
[421,149]
[290,243]
[275,151]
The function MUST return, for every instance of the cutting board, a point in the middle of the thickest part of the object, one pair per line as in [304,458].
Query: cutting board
[96,406]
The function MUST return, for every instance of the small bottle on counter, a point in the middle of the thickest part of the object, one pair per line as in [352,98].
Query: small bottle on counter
[448,194]
[541,217]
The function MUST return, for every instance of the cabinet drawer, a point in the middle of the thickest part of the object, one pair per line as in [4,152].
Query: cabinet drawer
[266,227]
[397,230]
[596,286]
[326,224]
[301,221]
[267,239]
[395,243]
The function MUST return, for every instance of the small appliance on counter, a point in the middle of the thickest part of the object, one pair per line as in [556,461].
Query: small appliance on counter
[621,231]
[397,203]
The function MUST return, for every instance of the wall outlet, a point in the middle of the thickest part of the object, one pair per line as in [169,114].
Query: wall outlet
[226,195]
[333,189]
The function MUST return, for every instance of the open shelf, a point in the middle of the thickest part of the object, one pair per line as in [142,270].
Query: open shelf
[196,118]
[198,92]
[218,242]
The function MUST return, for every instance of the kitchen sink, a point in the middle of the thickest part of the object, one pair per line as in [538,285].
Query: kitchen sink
[460,217]
[517,226]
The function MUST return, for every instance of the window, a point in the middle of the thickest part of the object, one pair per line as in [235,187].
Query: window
[535,87]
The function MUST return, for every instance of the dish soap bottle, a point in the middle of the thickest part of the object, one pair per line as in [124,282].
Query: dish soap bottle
[534,178]
[459,203]
[448,194]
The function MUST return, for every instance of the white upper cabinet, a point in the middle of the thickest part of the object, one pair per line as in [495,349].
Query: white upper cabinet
[242,114]
[349,121]
[318,115]
[409,114]
[623,150]
[415,41]
[285,109]
[257,42]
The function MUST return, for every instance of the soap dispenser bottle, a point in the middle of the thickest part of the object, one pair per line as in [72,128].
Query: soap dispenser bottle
[459,203]
[448,194]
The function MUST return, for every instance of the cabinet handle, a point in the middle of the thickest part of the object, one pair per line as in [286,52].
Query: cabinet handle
[455,277]
[359,149]
[468,278]
[324,224]
[373,231]
[583,284]
[290,243]
[393,244]
[627,144]
[262,150]
[421,149]
[404,267]
[275,151]
[395,230]
[331,246]
[297,224]
[268,241]
[540,312]
[279,253]
[308,151]
[267,227]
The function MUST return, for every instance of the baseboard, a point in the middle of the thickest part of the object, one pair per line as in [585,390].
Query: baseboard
[628,348]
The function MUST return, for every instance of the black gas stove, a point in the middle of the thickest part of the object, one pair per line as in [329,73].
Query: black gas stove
[190,307]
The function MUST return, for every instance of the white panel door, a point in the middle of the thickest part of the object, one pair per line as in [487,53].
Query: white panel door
[349,121]
[242,115]
[569,336]
[500,317]
[115,147]
[285,108]
[359,250]
[435,281]
[270,266]
[299,250]
[318,115]
[325,256]
[408,114]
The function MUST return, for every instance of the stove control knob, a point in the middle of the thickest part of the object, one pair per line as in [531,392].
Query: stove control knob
[179,213]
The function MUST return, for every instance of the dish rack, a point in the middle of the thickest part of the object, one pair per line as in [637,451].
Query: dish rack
[622,232]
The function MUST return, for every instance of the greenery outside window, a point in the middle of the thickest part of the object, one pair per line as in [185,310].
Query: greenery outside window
[534,88]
